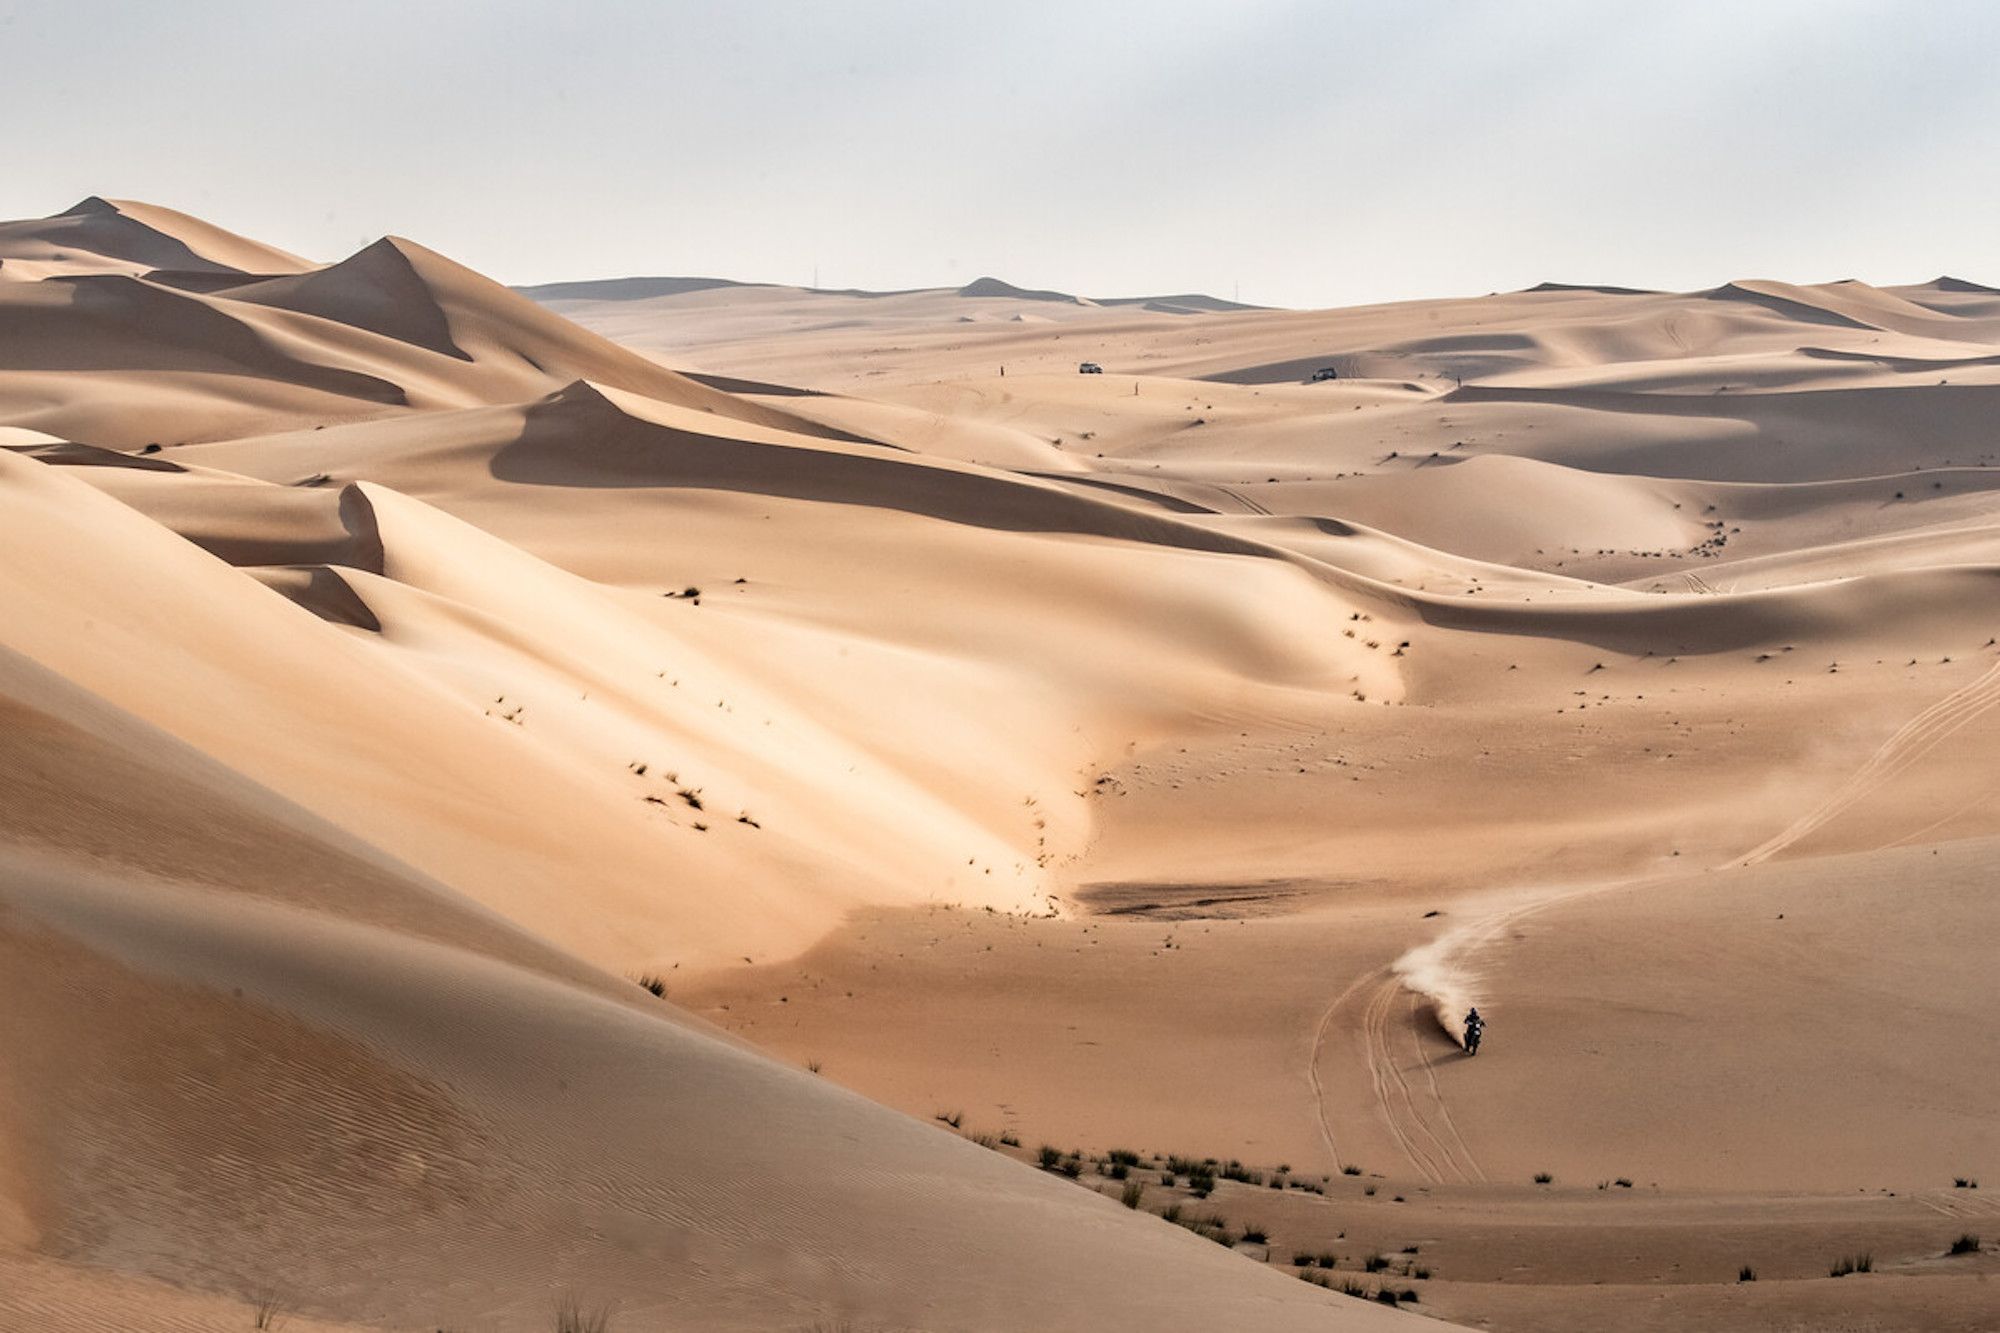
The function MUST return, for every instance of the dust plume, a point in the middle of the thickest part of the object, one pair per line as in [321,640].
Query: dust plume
[1437,972]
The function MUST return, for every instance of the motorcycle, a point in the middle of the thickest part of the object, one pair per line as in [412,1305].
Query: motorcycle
[1472,1031]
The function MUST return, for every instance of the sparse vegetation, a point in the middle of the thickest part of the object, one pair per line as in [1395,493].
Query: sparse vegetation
[1134,1191]
[1852,1263]
[1237,1171]
[1622,1183]
[1966,1244]
[952,1118]
[1010,1139]
[1209,1227]
[1256,1235]
[268,1309]
[1350,1170]
[1049,1156]
[573,1317]
[654,983]
[1543,1177]
[1965,1183]
[1375,1263]
[1746,1274]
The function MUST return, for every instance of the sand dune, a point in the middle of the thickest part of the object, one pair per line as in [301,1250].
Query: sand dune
[104,235]
[393,669]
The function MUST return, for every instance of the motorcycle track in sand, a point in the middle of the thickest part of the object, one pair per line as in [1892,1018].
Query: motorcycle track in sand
[1432,974]
[1912,741]
[1403,1076]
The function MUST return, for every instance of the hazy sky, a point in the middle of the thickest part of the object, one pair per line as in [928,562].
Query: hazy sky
[1298,153]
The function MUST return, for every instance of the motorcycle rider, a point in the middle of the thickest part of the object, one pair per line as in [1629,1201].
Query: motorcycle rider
[1474,1025]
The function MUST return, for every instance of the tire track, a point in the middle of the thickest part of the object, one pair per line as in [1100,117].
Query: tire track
[1412,1109]
[1911,742]
[1418,1118]
[1249,505]
[1959,1203]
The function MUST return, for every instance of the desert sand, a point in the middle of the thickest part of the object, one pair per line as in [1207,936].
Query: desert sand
[1006,781]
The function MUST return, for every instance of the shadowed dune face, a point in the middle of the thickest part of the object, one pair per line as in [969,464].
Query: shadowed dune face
[392,670]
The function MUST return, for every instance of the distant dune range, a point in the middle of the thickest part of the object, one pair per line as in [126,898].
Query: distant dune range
[396,667]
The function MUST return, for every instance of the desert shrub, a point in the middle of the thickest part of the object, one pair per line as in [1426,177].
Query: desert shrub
[1009,1139]
[1964,1183]
[1966,1244]
[1120,1157]
[1543,1177]
[1408,1294]
[1328,1259]
[1049,1156]
[1412,1249]
[1374,1263]
[1209,1227]
[268,1309]
[1119,1171]
[1072,1166]
[1172,1214]
[1852,1263]
[1746,1274]
[986,1141]
[1350,1170]
[573,1317]
[1622,1183]
[1303,1259]
[1256,1235]
[1421,1274]
[1386,1296]
[952,1118]
[1167,1177]
[653,983]
[1135,1190]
